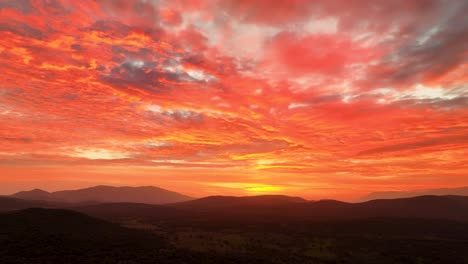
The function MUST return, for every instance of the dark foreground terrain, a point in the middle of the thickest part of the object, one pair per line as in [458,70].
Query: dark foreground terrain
[63,236]
[270,229]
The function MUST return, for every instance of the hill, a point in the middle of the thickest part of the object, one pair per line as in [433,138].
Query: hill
[189,211]
[36,194]
[233,201]
[462,191]
[219,210]
[11,204]
[107,194]
[284,209]
[116,211]
[263,209]
[61,236]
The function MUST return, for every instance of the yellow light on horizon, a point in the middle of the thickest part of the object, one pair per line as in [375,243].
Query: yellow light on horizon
[251,188]
[263,189]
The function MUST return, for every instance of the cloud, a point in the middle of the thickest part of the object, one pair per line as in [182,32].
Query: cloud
[23,6]
[318,96]
[23,140]
[142,75]
[171,17]
[132,12]
[316,53]
[21,29]
[433,50]
[173,115]
[452,140]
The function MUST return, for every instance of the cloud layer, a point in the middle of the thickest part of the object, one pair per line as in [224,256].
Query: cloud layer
[317,99]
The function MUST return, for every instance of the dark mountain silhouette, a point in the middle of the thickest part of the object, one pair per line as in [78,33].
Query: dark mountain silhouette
[230,201]
[10,204]
[433,207]
[462,191]
[268,208]
[107,194]
[53,221]
[115,211]
[430,207]
[188,210]
[226,210]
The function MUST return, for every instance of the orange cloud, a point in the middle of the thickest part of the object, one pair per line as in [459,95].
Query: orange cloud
[330,100]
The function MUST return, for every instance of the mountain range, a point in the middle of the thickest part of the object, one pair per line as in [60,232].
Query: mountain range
[156,195]
[262,209]
[157,204]
[106,194]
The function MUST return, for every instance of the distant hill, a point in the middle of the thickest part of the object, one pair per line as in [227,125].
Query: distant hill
[251,210]
[53,221]
[190,210]
[116,211]
[10,204]
[107,194]
[36,194]
[233,201]
[462,191]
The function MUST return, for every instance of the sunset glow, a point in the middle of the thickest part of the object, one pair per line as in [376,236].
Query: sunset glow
[318,99]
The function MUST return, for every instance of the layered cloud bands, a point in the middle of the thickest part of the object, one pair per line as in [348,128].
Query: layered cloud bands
[311,98]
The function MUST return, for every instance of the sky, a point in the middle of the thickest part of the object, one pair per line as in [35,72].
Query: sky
[319,99]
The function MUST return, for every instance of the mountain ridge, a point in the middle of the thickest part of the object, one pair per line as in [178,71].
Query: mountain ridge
[460,191]
[256,200]
[247,209]
[221,212]
[106,194]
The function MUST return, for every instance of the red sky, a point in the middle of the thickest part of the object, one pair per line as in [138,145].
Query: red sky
[320,99]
